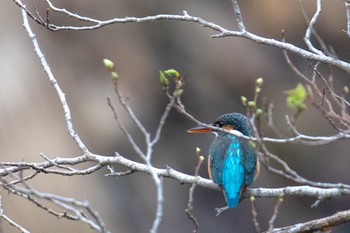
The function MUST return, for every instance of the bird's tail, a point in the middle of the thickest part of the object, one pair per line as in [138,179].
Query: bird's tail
[232,180]
[232,198]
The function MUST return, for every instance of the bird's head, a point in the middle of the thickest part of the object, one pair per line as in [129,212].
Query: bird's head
[228,121]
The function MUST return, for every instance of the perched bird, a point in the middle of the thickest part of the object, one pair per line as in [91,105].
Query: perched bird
[232,163]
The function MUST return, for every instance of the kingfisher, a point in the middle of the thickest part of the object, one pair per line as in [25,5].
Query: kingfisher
[232,163]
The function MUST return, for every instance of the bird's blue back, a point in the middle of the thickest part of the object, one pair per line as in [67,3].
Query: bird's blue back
[232,162]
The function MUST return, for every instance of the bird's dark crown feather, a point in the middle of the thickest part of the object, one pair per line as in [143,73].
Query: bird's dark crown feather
[237,120]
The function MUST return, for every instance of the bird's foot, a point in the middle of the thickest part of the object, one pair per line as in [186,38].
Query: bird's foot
[220,210]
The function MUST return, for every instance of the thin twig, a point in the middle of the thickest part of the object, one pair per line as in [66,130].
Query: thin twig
[255,215]
[55,84]
[13,223]
[326,50]
[239,17]
[189,210]
[318,224]
[310,28]
[114,173]
[275,213]
[125,131]
[37,19]
[347,5]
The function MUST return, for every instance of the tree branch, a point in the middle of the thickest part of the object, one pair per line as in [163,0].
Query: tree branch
[102,161]
[347,5]
[222,32]
[318,224]
[310,28]
[55,84]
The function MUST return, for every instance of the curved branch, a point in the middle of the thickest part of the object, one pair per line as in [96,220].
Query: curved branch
[315,225]
[222,32]
[310,28]
[54,83]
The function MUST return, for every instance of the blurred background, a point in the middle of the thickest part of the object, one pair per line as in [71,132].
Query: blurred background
[218,72]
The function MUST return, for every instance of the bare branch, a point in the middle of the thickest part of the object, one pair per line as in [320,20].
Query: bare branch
[222,32]
[323,193]
[9,220]
[37,19]
[255,215]
[318,224]
[55,84]
[310,28]
[125,131]
[189,210]
[325,49]
[275,213]
[163,118]
[347,5]
[307,191]
[13,223]
[239,17]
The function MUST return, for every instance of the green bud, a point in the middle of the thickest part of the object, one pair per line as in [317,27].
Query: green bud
[179,92]
[244,100]
[201,158]
[252,144]
[259,111]
[178,84]
[346,90]
[251,104]
[108,64]
[259,82]
[114,75]
[172,73]
[163,80]
[257,90]
[252,198]
[198,150]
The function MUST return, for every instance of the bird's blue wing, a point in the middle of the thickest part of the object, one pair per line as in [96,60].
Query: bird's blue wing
[249,162]
[218,155]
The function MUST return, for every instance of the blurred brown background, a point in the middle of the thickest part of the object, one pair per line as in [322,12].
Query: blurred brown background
[218,72]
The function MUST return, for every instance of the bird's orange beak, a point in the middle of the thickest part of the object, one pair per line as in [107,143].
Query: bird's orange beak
[199,129]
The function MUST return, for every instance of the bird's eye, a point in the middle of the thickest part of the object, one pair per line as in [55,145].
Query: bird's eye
[218,124]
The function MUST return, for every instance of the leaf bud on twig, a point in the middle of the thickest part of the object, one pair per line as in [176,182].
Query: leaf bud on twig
[259,82]
[244,100]
[108,64]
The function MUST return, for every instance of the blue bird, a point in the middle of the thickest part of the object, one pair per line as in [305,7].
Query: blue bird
[232,163]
